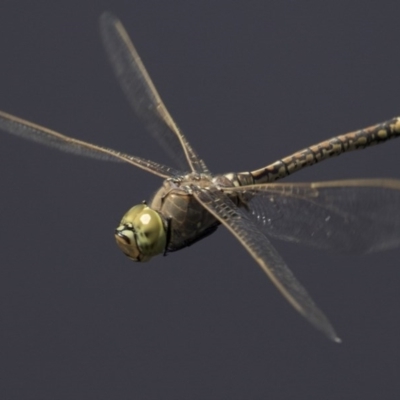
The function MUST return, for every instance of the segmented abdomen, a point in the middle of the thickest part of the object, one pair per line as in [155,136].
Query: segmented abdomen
[328,148]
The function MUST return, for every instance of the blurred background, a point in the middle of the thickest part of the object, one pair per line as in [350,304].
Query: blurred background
[249,83]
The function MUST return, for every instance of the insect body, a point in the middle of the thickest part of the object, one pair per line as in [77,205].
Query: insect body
[359,215]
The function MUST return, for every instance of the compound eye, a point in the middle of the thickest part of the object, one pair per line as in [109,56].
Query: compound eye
[141,233]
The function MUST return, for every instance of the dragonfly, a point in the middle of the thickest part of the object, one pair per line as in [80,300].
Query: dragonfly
[350,216]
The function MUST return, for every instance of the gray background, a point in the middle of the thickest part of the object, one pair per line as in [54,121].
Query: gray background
[249,82]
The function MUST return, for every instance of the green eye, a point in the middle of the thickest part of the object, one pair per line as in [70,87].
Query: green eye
[141,233]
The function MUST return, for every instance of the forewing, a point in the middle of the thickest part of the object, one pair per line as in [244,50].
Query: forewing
[28,130]
[143,97]
[259,247]
[349,216]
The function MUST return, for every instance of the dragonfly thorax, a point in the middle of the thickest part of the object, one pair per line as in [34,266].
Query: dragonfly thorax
[141,234]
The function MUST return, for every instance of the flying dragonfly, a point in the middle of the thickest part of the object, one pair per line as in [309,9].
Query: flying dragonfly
[354,216]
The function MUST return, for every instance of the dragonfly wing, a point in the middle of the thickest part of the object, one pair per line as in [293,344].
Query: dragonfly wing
[349,216]
[260,248]
[28,130]
[142,95]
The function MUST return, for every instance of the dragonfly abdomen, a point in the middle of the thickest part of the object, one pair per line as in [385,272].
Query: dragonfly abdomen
[335,146]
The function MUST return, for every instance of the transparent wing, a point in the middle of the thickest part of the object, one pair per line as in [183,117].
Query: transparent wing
[349,216]
[142,95]
[259,247]
[28,130]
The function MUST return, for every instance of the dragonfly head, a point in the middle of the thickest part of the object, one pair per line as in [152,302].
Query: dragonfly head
[141,233]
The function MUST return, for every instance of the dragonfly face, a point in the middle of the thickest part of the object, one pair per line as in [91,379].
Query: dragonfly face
[357,216]
[141,234]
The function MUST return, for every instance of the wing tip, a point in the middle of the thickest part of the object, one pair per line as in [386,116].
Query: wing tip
[107,19]
[337,339]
